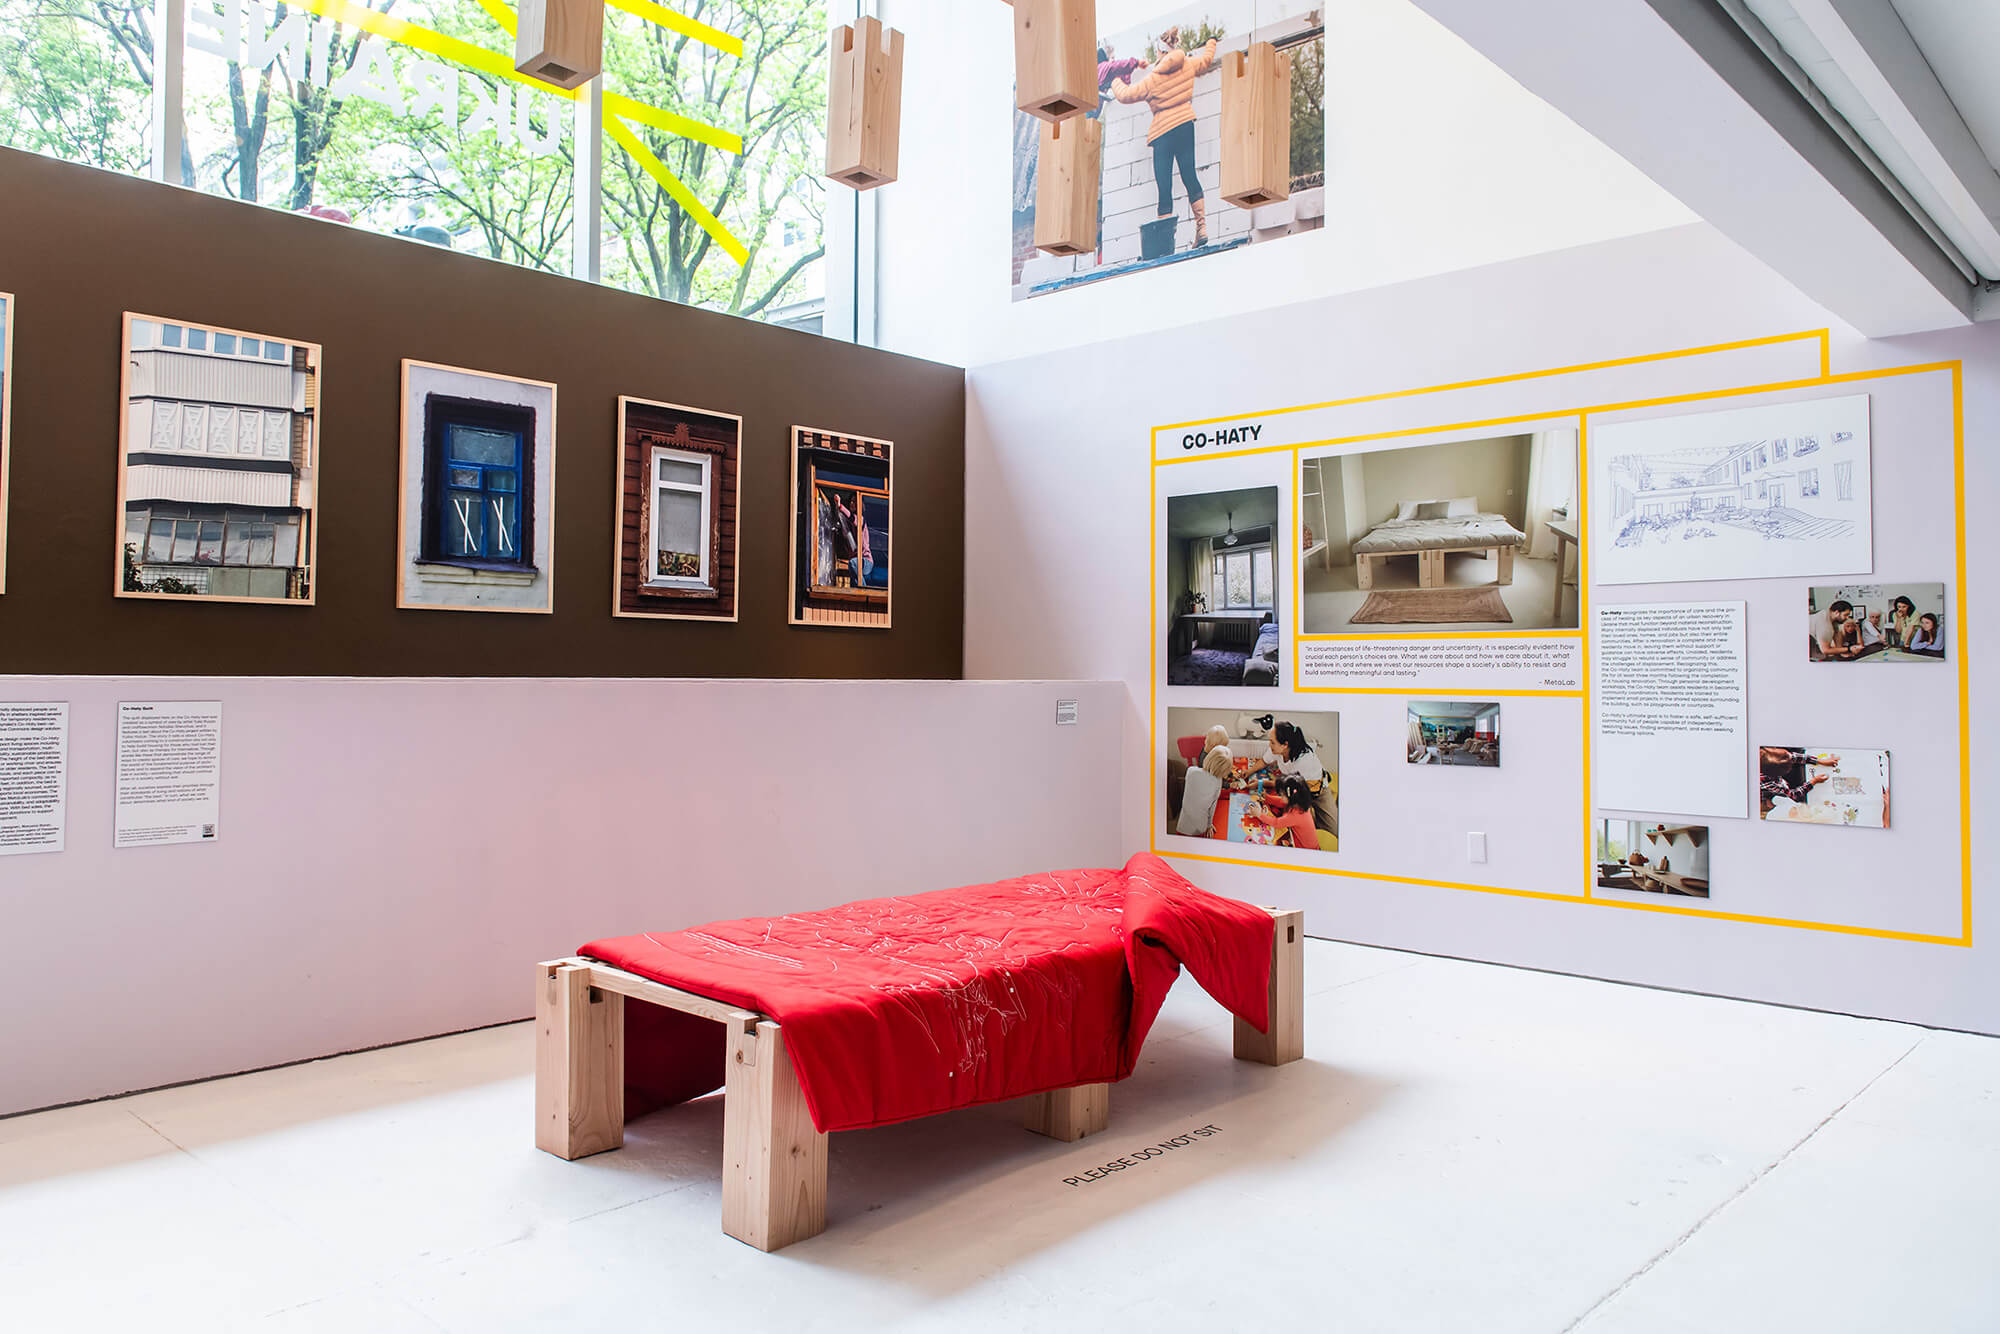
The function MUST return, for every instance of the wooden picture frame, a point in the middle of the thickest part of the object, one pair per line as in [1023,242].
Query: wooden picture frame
[535,478]
[631,502]
[6,419]
[824,606]
[302,462]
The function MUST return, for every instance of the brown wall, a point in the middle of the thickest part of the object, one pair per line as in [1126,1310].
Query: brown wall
[79,247]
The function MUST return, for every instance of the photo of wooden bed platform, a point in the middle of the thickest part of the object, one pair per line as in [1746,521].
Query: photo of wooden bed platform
[774,1156]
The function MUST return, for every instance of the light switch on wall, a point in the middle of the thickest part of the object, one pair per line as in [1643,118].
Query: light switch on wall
[1475,847]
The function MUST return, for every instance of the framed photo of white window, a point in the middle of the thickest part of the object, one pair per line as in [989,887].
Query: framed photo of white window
[675,511]
[218,465]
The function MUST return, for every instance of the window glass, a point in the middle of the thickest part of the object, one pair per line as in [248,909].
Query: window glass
[76,80]
[288,542]
[1260,576]
[680,472]
[208,549]
[186,532]
[263,543]
[197,340]
[472,444]
[678,519]
[272,351]
[360,127]
[1236,567]
[479,505]
[145,333]
[757,245]
[236,543]
[226,343]
[160,540]
[170,335]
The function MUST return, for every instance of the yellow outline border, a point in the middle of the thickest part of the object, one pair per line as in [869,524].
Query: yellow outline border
[1583,414]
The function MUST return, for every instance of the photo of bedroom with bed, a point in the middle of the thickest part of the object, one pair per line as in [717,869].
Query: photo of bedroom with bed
[1222,588]
[1269,779]
[1466,535]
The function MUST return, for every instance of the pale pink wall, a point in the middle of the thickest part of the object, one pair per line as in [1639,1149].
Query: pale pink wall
[395,855]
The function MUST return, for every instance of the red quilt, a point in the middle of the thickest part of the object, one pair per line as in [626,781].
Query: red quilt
[899,1008]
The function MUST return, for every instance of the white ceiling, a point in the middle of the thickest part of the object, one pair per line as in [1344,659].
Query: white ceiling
[1914,81]
[1451,708]
[1961,40]
[1208,514]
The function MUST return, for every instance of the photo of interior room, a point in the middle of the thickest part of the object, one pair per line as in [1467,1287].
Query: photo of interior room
[1655,856]
[1222,588]
[1465,535]
[1462,732]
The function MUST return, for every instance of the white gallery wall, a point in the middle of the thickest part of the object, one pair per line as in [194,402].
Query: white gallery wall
[1441,161]
[1060,568]
[391,863]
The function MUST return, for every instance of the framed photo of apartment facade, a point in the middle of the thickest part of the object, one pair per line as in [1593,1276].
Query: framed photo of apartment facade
[842,512]
[676,512]
[6,388]
[218,464]
[476,507]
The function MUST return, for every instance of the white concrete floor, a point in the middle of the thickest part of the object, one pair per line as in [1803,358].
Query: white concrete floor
[1332,596]
[1465,1147]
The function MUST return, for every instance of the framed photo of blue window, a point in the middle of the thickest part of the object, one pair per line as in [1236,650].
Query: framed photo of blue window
[478,483]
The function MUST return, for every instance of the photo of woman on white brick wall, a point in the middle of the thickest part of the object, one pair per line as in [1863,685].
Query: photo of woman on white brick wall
[1160,106]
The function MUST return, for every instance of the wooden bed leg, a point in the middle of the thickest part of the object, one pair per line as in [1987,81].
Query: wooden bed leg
[579,1063]
[1364,570]
[773,1160]
[1069,1114]
[1286,1041]
[1506,565]
[1430,569]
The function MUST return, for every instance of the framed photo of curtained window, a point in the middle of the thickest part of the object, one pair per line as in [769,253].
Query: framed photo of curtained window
[842,510]
[675,512]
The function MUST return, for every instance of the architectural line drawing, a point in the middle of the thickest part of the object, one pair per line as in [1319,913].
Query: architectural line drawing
[1766,492]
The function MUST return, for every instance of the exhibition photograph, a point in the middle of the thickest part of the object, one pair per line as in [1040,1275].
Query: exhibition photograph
[1232,570]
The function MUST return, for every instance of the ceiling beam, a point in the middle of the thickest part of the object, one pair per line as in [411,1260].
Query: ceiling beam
[1867,40]
[1681,91]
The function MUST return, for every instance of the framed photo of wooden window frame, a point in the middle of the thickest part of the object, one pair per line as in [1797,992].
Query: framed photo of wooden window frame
[6,418]
[647,430]
[838,602]
[170,396]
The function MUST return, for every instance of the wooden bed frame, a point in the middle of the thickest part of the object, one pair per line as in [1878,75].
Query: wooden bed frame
[773,1160]
[1430,563]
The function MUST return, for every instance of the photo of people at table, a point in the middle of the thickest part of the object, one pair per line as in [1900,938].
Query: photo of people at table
[1656,856]
[1876,623]
[1823,785]
[1266,779]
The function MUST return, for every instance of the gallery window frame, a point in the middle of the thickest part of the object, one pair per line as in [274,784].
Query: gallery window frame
[850,234]
[443,413]
[703,579]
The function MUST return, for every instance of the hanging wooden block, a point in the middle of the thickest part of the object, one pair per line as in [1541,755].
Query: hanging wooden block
[1256,126]
[1055,57]
[560,41]
[1066,184]
[864,104]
